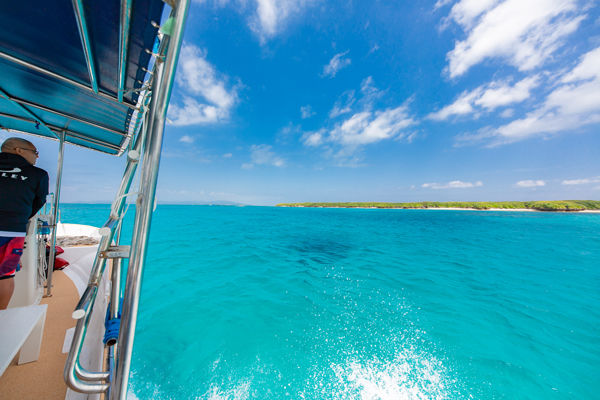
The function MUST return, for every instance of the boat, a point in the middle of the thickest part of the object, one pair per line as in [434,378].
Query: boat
[98,75]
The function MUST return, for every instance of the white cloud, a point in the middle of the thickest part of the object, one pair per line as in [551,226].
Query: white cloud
[369,91]
[193,113]
[272,15]
[313,139]
[262,154]
[465,12]
[335,64]
[523,33]
[186,139]
[343,105]
[206,98]
[441,3]
[573,104]
[347,101]
[582,181]
[452,185]
[488,97]
[373,49]
[227,155]
[588,68]
[530,183]
[266,18]
[508,113]
[461,106]
[500,94]
[306,111]
[363,124]
[269,16]
[368,127]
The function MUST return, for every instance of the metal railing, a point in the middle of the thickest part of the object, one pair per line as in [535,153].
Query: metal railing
[54,223]
[165,76]
[147,145]
[76,376]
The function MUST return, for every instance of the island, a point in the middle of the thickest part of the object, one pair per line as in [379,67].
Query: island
[544,205]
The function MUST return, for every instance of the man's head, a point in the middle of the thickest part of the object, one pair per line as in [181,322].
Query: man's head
[21,147]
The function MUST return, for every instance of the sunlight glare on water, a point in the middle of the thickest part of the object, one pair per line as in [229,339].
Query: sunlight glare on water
[270,303]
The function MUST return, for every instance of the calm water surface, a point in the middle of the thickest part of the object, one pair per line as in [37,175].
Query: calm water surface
[275,303]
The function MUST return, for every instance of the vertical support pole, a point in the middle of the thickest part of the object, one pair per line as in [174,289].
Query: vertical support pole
[115,306]
[61,152]
[86,42]
[124,44]
[165,74]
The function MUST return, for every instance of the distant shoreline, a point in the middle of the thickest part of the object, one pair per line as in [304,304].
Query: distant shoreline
[452,209]
[568,206]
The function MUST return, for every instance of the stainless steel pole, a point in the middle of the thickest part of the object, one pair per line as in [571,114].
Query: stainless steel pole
[145,200]
[61,152]
[74,374]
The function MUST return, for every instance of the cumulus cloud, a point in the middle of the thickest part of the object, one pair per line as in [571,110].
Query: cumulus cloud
[314,139]
[488,97]
[363,128]
[363,123]
[581,181]
[206,98]
[588,68]
[266,18]
[452,185]
[530,183]
[461,106]
[343,104]
[441,3]
[262,154]
[523,34]
[272,15]
[335,64]
[572,104]
[186,139]
[368,127]
[306,111]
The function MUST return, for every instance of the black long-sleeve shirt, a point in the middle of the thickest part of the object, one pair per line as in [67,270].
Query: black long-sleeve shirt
[23,191]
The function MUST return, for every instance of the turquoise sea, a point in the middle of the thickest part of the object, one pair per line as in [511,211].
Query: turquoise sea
[280,303]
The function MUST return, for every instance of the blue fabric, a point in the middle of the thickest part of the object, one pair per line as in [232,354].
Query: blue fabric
[45,229]
[45,33]
[112,330]
[112,325]
[4,240]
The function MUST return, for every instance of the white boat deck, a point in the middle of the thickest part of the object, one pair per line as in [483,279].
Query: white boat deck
[43,379]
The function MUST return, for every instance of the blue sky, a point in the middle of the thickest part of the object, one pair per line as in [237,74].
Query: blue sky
[314,100]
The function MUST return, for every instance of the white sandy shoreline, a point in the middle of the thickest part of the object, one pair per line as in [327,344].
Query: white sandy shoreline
[454,209]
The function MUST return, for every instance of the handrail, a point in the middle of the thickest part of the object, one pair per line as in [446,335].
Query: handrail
[153,126]
[69,374]
[90,376]
[164,75]
[61,155]
[74,374]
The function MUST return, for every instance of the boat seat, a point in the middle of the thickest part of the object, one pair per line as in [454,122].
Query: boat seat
[21,328]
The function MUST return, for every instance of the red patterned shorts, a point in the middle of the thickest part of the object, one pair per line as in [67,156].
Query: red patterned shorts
[11,250]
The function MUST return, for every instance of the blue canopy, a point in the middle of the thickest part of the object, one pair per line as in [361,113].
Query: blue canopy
[75,67]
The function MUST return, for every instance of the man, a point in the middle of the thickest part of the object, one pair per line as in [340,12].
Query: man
[23,191]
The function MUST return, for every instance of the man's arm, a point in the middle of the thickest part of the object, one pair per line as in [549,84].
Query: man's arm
[40,195]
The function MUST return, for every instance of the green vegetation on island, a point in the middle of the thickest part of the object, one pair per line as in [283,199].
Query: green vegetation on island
[550,205]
